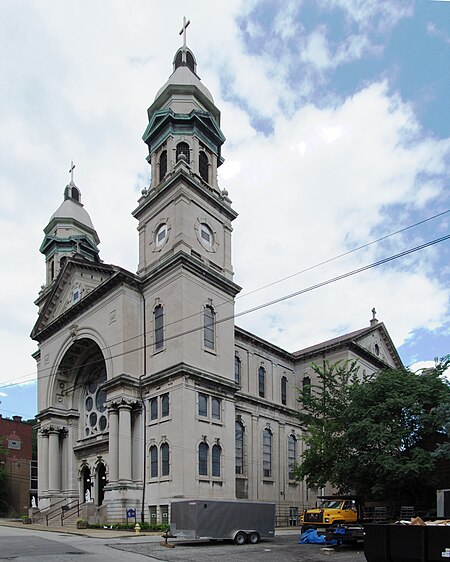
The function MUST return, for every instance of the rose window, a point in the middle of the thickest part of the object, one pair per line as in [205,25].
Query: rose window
[95,416]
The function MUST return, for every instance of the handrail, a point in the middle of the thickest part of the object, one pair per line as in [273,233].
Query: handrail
[54,512]
[71,506]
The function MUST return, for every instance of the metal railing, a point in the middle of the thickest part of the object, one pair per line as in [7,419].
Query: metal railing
[63,510]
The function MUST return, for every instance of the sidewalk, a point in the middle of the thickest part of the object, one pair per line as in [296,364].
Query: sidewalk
[109,533]
[91,533]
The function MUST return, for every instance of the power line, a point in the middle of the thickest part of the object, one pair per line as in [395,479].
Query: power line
[268,303]
[423,221]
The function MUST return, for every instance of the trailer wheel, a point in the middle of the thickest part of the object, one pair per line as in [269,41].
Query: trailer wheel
[253,538]
[240,538]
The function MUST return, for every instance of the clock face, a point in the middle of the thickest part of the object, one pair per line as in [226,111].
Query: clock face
[161,235]
[206,236]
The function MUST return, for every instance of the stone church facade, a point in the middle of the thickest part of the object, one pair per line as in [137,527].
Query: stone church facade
[147,390]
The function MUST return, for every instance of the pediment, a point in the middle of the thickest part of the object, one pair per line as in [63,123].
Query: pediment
[378,342]
[74,283]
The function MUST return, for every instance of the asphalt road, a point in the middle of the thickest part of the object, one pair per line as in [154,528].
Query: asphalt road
[281,549]
[31,545]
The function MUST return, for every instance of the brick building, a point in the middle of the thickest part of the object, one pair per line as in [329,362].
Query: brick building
[16,439]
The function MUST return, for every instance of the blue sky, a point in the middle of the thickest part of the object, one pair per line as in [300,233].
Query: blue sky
[337,121]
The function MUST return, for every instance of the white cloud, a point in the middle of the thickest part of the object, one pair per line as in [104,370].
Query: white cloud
[80,80]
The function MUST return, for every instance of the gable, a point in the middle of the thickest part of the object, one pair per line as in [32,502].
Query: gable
[378,342]
[74,283]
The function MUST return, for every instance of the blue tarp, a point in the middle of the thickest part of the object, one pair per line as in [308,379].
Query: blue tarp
[311,536]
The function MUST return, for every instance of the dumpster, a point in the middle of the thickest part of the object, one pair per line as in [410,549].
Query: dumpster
[376,543]
[407,543]
[438,541]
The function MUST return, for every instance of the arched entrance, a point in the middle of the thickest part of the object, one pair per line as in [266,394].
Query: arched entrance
[101,482]
[86,484]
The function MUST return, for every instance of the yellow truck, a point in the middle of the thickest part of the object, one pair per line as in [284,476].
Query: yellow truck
[333,510]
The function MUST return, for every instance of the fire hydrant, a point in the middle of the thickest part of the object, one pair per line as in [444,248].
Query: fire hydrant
[137,528]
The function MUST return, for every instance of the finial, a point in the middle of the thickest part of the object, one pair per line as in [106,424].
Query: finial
[183,30]
[374,320]
[72,167]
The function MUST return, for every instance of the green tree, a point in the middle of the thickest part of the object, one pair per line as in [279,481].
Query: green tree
[377,435]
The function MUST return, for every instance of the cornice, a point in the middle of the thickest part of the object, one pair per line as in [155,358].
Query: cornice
[191,182]
[193,265]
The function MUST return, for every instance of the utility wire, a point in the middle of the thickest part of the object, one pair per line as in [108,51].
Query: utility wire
[423,221]
[269,303]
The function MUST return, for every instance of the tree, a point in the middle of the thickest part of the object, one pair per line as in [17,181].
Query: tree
[374,435]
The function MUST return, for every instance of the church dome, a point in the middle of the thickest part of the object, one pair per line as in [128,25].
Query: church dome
[184,73]
[72,208]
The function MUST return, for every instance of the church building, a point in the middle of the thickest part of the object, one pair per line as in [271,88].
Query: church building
[147,390]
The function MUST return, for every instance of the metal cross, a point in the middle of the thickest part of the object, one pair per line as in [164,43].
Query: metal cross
[183,30]
[72,166]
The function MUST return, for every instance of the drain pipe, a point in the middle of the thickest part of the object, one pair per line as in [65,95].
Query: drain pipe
[144,412]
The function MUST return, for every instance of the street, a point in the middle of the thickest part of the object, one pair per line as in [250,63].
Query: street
[24,545]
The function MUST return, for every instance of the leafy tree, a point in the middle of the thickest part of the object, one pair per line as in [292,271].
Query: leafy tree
[377,435]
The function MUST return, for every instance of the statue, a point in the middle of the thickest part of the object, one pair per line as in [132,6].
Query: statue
[33,501]
[87,496]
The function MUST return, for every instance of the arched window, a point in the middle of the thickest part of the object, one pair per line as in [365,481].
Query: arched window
[209,327]
[267,453]
[158,315]
[75,194]
[183,148]
[237,370]
[215,458]
[239,445]
[203,166]
[306,385]
[96,420]
[190,61]
[283,390]
[202,405]
[165,405]
[178,59]
[292,455]
[163,165]
[153,461]
[154,409]
[262,382]
[203,451]
[215,408]
[165,456]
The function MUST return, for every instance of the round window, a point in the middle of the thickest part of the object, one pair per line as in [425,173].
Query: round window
[161,235]
[206,235]
[89,403]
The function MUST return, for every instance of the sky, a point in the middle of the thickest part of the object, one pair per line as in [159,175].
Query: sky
[337,119]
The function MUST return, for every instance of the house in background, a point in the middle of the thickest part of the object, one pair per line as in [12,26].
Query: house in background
[21,468]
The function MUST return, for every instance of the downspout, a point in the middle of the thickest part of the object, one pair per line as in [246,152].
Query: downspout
[144,411]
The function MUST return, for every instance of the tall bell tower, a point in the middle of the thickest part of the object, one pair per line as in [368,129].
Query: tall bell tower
[184,225]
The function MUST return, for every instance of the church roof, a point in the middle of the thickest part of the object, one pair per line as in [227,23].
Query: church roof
[183,76]
[71,209]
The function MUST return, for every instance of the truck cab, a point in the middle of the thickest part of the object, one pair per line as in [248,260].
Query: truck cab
[332,510]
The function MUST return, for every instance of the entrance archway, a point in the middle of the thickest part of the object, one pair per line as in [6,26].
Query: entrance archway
[86,484]
[101,482]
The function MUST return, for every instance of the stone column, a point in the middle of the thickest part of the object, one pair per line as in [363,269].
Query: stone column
[113,445]
[54,456]
[43,462]
[125,442]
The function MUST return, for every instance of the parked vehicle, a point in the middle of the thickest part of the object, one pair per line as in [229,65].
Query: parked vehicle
[240,521]
[333,510]
[337,517]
